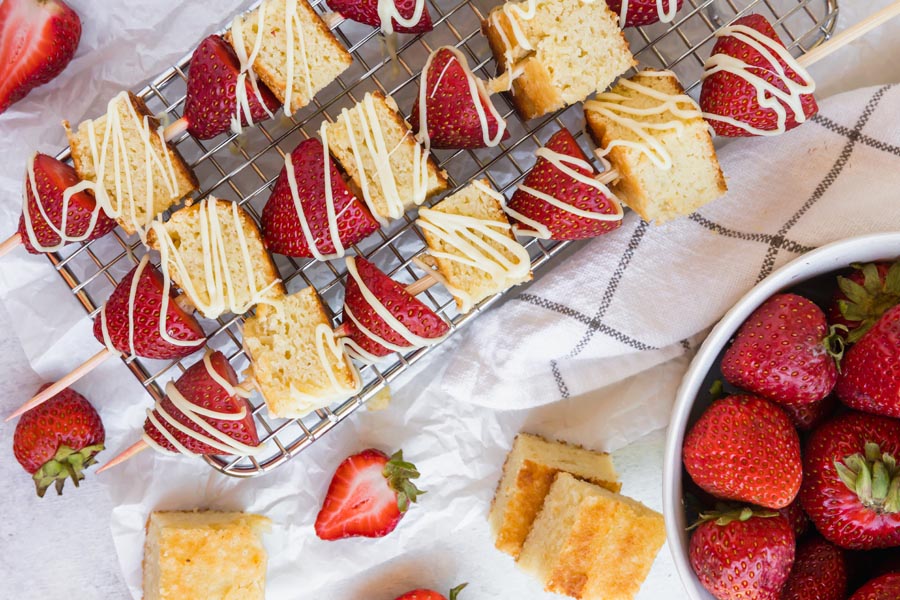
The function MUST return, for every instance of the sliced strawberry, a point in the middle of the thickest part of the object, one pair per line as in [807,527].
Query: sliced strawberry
[366,12]
[211,102]
[38,38]
[451,116]
[45,210]
[729,95]
[368,496]
[418,319]
[643,12]
[148,343]
[545,177]
[199,388]
[281,222]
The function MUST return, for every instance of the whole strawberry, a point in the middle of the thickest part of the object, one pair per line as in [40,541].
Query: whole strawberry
[369,494]
[368,12]
[863,296]
[783,352]
[38,39]
[645,12]
[819,573]
[886,587]
[741,555]
[745,448]
[793,512]
[58,440]
[424,594]
[851,482]
[870,375]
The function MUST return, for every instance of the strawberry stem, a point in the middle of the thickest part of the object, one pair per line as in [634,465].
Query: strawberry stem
[455,591]
[874,477]
[723,515]
[65,464]
[399,474]
[835,344]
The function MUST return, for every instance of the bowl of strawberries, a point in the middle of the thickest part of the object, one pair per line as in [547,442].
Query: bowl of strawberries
[781,478]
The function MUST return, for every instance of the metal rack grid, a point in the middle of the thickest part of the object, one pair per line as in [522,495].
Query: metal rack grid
[245,169]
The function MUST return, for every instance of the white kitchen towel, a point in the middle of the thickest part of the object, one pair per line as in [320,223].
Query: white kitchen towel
[644,294]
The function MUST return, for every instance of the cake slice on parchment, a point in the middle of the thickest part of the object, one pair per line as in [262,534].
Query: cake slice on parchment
[193,555]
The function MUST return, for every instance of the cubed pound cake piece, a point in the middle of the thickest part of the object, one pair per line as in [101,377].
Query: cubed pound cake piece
[375,146]
[471,247]
[295,359]
[114,151]
[529,471]
[590,543]
[656,138]
[556,52]
[213,250]
[205,555]
[298,55]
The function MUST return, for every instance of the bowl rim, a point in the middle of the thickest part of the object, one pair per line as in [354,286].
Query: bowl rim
[829,257]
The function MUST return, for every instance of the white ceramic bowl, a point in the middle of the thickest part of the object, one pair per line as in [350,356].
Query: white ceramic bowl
[833,257]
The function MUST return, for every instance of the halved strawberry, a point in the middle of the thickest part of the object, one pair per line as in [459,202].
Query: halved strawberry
[43,205]
[644,12]
[368,12]
[199,388]
[559,223]
[212,104]
[457,111]
[419,320]
[38,38]
[368,496]
[145,313]
[863,296]
[282,224]
[733,97]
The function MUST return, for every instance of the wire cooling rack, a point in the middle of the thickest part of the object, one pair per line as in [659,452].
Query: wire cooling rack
[245,169]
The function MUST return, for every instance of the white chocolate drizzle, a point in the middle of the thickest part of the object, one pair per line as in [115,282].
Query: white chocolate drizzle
[464,234]
[243,111]
[220,276]
[477,92]
[612,106]
[354,349]
[123,208]
[768,95]
[666,13]
[388,13]
[212,436]
[561,162]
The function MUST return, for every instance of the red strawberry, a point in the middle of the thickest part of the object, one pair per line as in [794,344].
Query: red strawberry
[281,225]
[783,352]
[863,296]
[38,38]
[148,343]
[211,102]
[366,12]
[420,320]
[545,177]
[870,379]
[58,439]
[793,512]
[745,448]
[809,416]
[886,587]
[851,482]
[819,573]
[643,12]
[199,388]
[431,594]
[732,96]
[368,496]
[451,115]
[45,210]
[743,556]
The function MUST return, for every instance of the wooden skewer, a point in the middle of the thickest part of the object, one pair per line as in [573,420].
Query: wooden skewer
[133,450]
[12,242]
[845,37]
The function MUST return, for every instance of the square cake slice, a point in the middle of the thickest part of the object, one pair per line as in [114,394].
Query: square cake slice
[529,471]
[194,555]
[471,248]
[590,543]
[295,359]
[376,148]
[214,251]
[655,136]
[115,150]
[556,52]
[294,63]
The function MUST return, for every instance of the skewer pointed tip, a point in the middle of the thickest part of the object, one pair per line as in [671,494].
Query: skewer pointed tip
[133,450]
